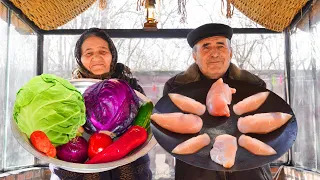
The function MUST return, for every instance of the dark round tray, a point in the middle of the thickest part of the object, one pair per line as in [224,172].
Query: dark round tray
[281,139]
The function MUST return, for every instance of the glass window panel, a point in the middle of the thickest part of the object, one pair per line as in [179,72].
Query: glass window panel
[124,15]
[263,55]
[58,53]
[315,35]
[154,54]
[3,65]
[22,67]
[139,54]
[256,53]
[305,66]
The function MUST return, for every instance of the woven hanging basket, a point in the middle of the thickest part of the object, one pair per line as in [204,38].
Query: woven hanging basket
[3,12]
[50,14]
[272,14]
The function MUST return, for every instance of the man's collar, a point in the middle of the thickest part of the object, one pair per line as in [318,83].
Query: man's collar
[203,77]
[190,75]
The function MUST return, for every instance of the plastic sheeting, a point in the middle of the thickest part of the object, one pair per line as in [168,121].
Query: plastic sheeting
[3,60]
[305,91]
[14,72]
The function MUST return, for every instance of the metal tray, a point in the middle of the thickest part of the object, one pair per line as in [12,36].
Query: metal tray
[81,85]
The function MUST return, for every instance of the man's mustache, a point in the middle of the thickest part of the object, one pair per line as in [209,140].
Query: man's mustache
[215,60]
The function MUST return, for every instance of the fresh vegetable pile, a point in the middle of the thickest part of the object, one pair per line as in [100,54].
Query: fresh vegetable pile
[115,120]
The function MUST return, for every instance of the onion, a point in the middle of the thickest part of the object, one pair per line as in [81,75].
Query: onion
[76,150]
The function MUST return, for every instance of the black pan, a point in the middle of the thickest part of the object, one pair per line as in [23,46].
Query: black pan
[281,139]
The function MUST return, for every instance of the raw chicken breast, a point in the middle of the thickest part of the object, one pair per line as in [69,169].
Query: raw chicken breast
[262,123]
[187,104]
[255,146]
[178,122]
[224,150]
[218,98]
[192,145]
[250,103]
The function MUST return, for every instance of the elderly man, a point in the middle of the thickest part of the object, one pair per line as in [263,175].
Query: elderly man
[212,53]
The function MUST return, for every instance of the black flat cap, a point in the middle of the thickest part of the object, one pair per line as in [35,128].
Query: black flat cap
[209,30]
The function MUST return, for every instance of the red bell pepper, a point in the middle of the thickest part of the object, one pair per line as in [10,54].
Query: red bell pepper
[131,139]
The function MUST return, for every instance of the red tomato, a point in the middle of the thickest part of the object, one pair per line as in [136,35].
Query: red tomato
[97,143]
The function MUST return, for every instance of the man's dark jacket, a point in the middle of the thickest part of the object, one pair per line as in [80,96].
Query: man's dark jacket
[184,171]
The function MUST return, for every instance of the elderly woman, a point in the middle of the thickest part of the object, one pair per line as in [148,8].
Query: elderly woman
[96,57]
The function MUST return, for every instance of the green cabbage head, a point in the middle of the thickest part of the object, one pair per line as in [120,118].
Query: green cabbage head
[50,104]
